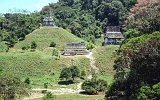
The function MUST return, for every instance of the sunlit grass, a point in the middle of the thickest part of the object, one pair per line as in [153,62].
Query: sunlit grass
[38,66]
[105,57]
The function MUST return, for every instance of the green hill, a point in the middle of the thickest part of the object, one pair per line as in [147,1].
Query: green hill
[45,35]
[40,66]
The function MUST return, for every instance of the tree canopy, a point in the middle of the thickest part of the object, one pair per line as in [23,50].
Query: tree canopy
[137,63]
[89,17]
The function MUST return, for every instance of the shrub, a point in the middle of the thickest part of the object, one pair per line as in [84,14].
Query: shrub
[75,72]
[27,81]
[25,47]
[12,87]
[66,73]
[33,45]
[45,85]
[53,44]
[90,45]
[94,86]
[71,72]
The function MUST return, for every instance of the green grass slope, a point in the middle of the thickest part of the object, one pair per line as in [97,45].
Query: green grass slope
[105,57]
[45,35]
[3,47]
[39,67]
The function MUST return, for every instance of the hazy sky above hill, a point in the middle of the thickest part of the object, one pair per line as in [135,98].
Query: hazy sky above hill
[30,5]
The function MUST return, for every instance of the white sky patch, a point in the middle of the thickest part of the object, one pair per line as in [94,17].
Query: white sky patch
[40,4]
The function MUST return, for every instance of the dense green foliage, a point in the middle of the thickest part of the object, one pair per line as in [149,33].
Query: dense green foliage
[86,18]
[66,73]
[94,86]
[12,87]
[149,92]
[71,72]
[137,64]
[145,17]
[14,27]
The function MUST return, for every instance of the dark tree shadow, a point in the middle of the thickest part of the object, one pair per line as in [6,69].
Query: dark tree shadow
[66,82]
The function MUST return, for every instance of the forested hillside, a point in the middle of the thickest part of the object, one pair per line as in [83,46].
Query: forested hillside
[84,18]
[138,62]
[88,18]
[30,53]
[15,26]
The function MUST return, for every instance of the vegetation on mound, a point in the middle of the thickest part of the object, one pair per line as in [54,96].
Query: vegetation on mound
[45,35]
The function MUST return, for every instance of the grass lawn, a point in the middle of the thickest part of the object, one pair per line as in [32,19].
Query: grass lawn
[3,47]
[105,57]
[77,97]
[39,67]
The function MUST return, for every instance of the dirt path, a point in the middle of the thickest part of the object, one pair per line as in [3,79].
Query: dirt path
[34,96]
[60,90]
[37,93]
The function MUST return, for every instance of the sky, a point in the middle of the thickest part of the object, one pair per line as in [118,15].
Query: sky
[29,5]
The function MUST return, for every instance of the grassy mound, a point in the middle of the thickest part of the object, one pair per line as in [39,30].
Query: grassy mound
[105,57]
[45,35]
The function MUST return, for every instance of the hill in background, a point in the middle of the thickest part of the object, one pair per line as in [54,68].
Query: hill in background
[45,35]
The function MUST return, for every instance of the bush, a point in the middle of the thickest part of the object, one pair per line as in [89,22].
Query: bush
[53,44]
[90,45]
[12,87]
[75,72]
[25,47]
[71,72]
[45,85]
[66,73]
[27,81]
[33,45]
[94,86]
